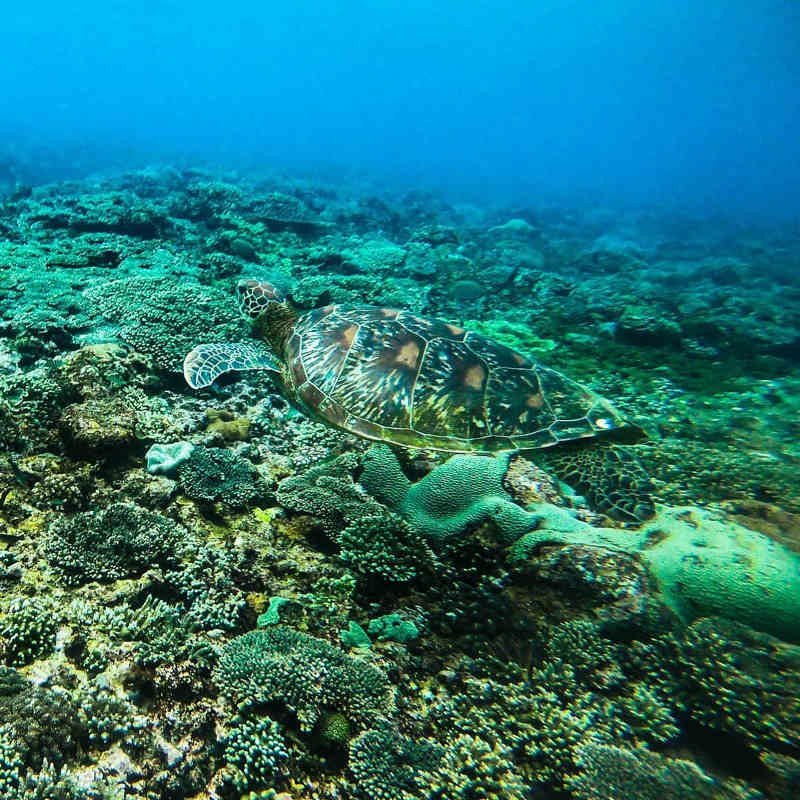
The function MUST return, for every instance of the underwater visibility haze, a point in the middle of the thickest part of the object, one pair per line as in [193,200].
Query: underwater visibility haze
[399,400]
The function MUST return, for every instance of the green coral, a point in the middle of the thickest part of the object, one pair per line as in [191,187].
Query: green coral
[393,627]
[355,636]
[384,546]
[44,726]
[28,630]
[11,682]
[464,492]
[609,773]
[162,633]
[255,746]
[21,782]
[308,676]
[107,717]
[272,616]
[30,406]
[582,687]
[119,541]
[390,766]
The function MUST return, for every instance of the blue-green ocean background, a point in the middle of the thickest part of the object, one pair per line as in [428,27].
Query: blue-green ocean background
[666,103]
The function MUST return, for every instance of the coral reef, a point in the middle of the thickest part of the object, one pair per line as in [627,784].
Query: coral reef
[119,541]
[215,475]
[304,674]
[210,595]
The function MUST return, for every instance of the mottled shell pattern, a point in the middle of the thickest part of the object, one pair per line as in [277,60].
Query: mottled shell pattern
[393,376]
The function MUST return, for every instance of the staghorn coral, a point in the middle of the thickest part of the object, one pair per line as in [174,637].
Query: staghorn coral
[375,543]
[582,687]
[386,764]
[28,630]
[255,746]
[205,586]
[472,767]
[385,547]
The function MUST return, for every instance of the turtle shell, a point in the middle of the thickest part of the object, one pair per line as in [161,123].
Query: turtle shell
[393,376]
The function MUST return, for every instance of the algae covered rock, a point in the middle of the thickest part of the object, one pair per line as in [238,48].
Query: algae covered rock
[704,564]
[98,427]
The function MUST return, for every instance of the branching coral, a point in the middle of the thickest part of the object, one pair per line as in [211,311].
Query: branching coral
[119,541]
[306,675]
[214,475]
[256,748]
[28,630]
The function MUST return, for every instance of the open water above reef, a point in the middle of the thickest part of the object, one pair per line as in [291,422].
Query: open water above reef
[209,595]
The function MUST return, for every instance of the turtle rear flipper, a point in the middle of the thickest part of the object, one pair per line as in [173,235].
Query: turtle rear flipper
[203,365]
[609,477]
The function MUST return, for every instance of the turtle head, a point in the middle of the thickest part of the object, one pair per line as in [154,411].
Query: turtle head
[253,297]
[268,309]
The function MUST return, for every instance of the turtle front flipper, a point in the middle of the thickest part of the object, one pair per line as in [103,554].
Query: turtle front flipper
[203,365]
[609,477]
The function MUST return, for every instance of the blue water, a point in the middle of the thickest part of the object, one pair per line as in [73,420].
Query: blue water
[670,103]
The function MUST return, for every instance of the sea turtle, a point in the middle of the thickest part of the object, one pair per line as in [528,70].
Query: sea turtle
[396,377]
